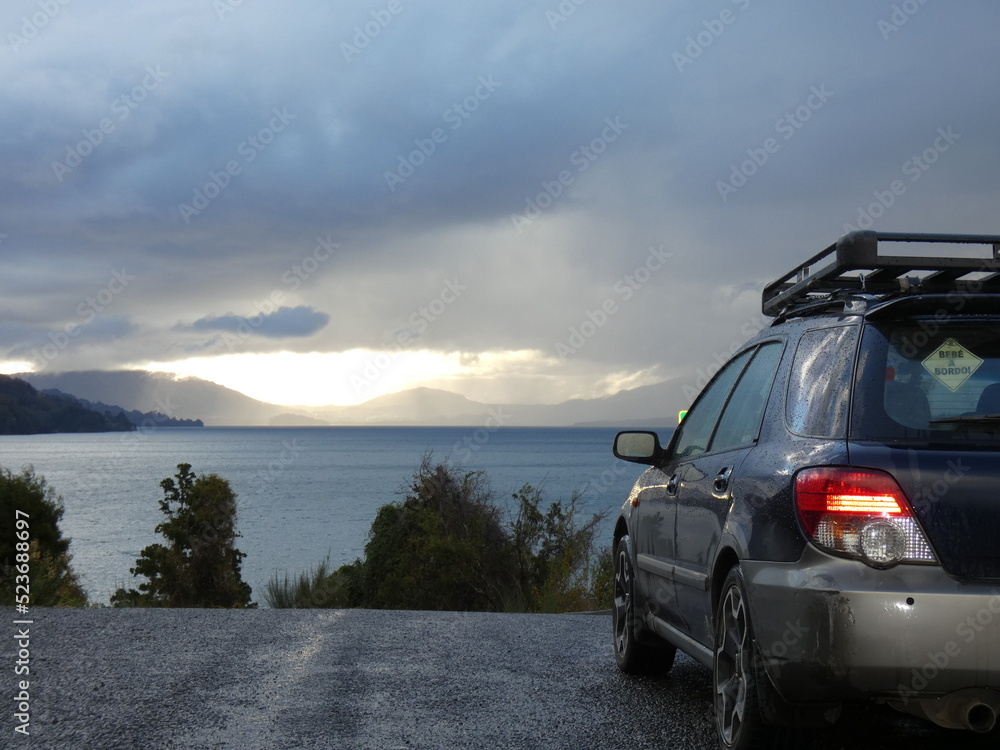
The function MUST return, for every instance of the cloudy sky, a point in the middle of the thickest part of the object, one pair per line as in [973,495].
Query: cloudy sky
[319,202]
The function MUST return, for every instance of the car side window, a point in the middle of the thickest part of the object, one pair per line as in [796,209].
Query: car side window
[819,388]
[742,417]
[696,430]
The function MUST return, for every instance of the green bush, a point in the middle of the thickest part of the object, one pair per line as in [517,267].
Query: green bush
[442,548]
[51,579]
[446,546]
[200,566]
[555,556]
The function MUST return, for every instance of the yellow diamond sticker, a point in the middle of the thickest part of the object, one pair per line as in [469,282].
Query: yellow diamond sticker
[952,364]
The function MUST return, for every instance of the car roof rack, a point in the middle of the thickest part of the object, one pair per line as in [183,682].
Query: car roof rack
[832,275]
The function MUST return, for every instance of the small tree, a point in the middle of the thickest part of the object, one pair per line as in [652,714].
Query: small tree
[51,578]
[199,566]
[443,548]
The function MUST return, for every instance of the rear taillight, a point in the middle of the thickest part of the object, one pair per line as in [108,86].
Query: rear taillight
[860,513]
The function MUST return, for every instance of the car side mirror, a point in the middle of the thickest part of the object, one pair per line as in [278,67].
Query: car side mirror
[638,446]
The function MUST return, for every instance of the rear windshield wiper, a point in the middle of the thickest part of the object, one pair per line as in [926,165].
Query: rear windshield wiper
[989,419]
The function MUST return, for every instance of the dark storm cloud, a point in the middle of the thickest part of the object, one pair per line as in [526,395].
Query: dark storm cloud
[285,322]
[52,348]
[205,146]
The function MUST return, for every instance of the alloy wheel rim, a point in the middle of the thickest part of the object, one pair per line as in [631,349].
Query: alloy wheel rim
[623,601]
[731,665]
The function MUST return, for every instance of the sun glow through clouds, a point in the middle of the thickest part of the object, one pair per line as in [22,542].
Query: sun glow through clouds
[355,376]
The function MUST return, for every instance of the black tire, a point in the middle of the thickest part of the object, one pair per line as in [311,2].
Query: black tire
[632,656]
[735,679]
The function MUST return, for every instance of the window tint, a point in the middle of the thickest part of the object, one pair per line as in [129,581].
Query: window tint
[741,420]
[699,424]
[819,385]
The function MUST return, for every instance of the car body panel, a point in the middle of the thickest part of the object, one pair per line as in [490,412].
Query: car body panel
[829,628]
[955,495]
[651,514]
[704,497]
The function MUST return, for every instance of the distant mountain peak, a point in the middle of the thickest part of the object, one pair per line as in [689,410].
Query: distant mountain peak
[190,397]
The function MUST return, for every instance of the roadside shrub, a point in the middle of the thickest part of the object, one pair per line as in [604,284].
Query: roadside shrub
[442,548]
[555,555]
[199,566]
[447,546]
[52,581]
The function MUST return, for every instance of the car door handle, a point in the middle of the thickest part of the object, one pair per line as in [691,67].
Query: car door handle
[672,485]
[721,483]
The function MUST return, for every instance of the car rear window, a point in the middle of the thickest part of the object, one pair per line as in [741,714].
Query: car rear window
[924,379]
[820,384]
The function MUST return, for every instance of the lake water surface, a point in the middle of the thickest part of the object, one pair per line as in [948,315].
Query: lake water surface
[304,493]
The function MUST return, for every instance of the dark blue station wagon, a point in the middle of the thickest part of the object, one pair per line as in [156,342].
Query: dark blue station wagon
[824,524]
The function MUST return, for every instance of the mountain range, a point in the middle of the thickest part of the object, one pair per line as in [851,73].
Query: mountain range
[26,411]
[653,406]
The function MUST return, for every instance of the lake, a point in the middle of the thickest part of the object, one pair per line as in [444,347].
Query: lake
[304,493]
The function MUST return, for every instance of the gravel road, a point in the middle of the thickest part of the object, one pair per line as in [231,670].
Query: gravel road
[108,678]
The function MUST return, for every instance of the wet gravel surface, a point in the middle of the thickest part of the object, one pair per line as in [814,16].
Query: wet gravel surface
[106,678]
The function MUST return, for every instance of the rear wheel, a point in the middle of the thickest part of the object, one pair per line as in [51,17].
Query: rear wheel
[737,692]
[632,656]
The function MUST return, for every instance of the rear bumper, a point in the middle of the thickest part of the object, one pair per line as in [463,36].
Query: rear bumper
[830,629]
